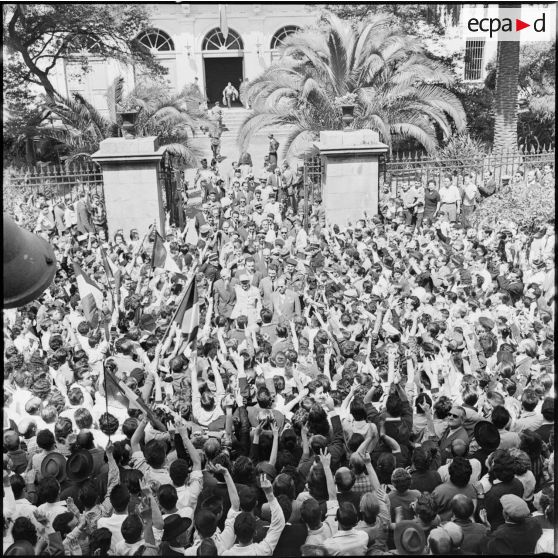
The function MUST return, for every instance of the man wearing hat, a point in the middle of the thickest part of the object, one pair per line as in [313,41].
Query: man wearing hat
[519,533]
[285,303]
[409,538]
[293,278]
[54,465]
[175,535]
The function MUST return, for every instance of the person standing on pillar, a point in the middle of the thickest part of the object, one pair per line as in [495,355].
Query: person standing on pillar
[273,147]
[230,94]
[287,179]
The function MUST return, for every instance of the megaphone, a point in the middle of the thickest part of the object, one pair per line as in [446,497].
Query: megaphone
[29,265]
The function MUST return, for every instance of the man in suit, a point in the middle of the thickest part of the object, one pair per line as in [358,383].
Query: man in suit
[455,429]
[250,270]
[286,303]
[268,285]
[224,294]
[262,258]
[83,214]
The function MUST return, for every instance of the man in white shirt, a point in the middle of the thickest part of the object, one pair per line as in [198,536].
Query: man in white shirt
[347,540]
[450,200]
[245,546]
[119,498]
[470,192]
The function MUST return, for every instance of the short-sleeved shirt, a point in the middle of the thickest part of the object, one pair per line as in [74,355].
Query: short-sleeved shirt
[450,194]
[431,199]
[409,197]
[160,475]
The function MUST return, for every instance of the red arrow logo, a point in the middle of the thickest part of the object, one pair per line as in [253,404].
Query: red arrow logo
[519,25]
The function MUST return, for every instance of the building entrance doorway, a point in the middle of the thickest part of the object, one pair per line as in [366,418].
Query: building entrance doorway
[218,72]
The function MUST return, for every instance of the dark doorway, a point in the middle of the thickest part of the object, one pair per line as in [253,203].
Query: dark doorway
[218,72]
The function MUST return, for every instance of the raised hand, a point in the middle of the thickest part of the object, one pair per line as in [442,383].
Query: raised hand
[425,408]
[479,488]
[325,459]
[265,485]
[145,488]
[258,430]
[217,468]
[109,449]
[72,507]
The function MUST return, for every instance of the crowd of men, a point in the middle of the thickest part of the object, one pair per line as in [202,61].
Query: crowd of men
[385,387]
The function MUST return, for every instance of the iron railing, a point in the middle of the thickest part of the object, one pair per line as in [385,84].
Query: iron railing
[54,182]
[400,169]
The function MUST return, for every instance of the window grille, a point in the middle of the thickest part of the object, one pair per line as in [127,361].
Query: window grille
[215,40]
[155,39]
[474,54]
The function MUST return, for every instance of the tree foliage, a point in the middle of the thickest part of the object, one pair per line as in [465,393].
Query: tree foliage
[80,127]
[537,87]
[38,35]
[414,19]
[400,91]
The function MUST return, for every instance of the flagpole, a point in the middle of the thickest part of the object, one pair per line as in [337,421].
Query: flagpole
[106,392]
[176,310]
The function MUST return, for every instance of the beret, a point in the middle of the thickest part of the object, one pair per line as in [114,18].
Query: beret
[292,261]
[515,507]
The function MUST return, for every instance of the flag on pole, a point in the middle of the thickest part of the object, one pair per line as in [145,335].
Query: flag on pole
[187,315]
[132,400]
[111,269]
[223,23]
[113,274]
[161,257]
[90,294]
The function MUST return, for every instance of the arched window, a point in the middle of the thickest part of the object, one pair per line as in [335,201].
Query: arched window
[215,40]
[279,37]
[155,39]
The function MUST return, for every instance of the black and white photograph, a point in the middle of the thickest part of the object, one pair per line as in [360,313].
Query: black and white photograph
[279,278]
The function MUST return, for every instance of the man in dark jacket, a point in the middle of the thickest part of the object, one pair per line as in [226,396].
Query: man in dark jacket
[518,534]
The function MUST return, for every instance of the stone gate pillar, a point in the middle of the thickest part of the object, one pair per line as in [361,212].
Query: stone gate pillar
[351,174]
[133,196]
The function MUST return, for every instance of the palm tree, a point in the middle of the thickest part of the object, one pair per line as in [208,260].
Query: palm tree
[505,95]
[399,91]
[161,113]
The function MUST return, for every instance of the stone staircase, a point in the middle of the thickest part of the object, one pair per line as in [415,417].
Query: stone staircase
[232,120]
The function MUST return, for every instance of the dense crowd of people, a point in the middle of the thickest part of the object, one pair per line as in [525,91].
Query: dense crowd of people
[381,388]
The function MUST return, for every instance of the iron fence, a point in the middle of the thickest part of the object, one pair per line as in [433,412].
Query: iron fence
[399,169]
[54,182]
[402,169]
